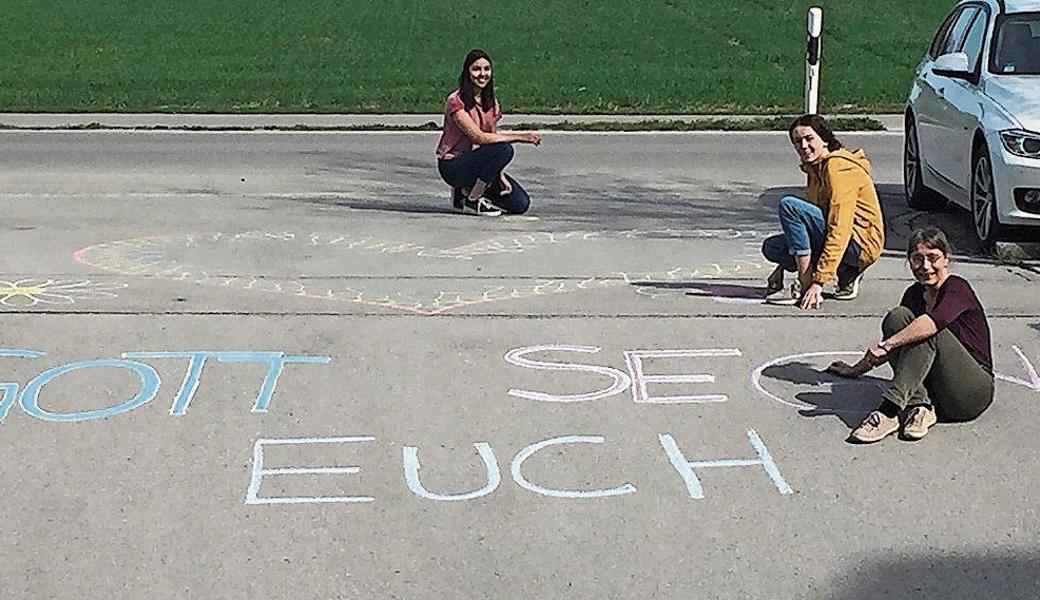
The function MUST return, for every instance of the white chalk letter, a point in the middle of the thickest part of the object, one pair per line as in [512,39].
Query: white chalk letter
[693,484]
[252,495]
[516,357]
[411,474]
[1032,380]
[634,358]
[526,453]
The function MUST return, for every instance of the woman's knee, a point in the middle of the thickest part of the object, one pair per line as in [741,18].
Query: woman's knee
[789,205]
[518,205]
[518,200]
[501,151]
[774,248]
[896,320]
[449,174]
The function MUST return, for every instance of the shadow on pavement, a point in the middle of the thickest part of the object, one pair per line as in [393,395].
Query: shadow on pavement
[383,205]
[595,199]
[981,575]
[847,399]
[726,290]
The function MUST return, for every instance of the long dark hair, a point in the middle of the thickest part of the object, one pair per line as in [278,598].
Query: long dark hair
[487,95]
[820,126]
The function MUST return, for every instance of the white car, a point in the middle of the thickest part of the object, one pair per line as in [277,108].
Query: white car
[973,119]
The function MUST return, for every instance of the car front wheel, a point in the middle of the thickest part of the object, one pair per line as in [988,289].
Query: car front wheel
[917,195]
[984,199]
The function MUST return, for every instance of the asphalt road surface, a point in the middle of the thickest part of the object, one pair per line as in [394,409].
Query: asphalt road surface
[278,366]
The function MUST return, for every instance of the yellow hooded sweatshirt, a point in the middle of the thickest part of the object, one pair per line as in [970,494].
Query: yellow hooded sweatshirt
[841,186]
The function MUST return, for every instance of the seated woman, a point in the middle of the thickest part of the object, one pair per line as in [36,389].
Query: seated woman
[471,154]
[937,341]
[839,231]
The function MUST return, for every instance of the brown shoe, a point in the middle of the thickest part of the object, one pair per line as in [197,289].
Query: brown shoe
[917,421]
[875,428]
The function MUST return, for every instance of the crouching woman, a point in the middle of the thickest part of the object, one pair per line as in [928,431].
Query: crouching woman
[938,343]
[837,233]
[471,153]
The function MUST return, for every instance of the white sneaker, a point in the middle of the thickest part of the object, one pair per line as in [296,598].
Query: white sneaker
[482,208]
[787,296]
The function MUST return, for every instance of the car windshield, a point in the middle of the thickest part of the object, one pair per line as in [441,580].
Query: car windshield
[1016,49]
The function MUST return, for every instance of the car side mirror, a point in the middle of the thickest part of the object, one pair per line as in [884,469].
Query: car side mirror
[953,65]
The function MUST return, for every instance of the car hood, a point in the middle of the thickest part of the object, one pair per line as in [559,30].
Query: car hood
[1018,96]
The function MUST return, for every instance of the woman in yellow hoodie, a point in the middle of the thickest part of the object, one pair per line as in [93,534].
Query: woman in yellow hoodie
[838,232]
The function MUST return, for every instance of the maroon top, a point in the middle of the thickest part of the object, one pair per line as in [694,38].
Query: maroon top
[957,308]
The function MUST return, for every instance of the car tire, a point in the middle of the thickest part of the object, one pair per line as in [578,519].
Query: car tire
[918,195]
[987,228]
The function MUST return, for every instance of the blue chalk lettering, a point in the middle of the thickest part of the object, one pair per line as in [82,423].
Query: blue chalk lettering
[693,484]
[11,389]
[18,353]
[10,393]
[275,362]
[196,360]
[149,386]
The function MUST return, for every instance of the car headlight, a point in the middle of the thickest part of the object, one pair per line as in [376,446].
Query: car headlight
[1022,143]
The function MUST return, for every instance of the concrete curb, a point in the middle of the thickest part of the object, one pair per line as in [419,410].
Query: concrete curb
[146,120]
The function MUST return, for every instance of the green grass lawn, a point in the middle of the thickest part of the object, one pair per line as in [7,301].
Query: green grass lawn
[551,56]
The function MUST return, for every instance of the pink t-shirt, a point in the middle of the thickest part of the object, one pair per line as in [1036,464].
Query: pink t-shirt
[453,141]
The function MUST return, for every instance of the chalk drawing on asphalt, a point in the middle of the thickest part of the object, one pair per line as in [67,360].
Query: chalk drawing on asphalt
[190,258]
[25,293]
[260,471]
[829,383]
[756,379]
[686,468]
[149,380]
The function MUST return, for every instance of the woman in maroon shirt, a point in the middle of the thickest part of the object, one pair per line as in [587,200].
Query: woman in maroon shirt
[938,343]
[471,153]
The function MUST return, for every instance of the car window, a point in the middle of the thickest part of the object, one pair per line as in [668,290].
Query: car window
[940,35]
[956,33]
[1016,46]
[972,45]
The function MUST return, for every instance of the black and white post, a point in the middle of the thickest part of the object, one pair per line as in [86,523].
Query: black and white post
[812,60]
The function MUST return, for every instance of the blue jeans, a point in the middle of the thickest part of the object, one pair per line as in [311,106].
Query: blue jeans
[486,164]
[805,230]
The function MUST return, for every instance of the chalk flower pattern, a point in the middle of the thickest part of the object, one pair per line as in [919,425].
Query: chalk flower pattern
[31,292]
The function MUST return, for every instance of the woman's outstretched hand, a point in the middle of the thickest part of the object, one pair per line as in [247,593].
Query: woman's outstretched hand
[873,357]
[533,137]
[844,369]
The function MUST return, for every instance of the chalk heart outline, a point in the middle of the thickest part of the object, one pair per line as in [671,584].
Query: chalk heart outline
[155,257]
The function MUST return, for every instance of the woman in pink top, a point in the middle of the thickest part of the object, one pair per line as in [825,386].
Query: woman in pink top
[472,153]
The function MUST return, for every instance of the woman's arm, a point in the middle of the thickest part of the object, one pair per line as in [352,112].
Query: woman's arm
[921,328]
[483,138]
[845,180]
[844,183]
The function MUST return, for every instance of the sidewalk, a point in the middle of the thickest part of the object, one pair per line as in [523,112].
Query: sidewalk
[249,121]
